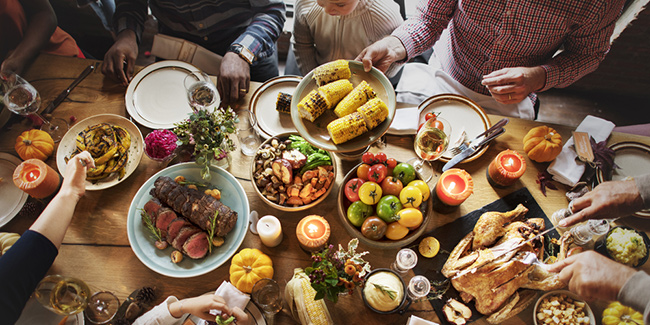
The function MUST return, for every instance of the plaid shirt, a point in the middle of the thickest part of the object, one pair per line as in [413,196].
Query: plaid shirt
[213,24]
[488,35]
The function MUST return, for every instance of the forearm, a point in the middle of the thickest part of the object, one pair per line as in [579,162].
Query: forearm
[130,14]
[567,68]
[303,46]
[643,184]
[55,219]
[264,30]
[40,28]
[636,294]
[419,33]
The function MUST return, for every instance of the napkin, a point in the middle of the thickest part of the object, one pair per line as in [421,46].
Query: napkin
[232,296]
[414,320]
[565,168]
[405,121]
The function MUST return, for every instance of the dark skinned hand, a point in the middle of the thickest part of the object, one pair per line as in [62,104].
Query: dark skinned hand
[234,79]
[125,49]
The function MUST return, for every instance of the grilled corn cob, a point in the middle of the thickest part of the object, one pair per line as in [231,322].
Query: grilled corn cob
[347,127]
[283,104]
[374,112]
[333,92]
[331,71]
[357,97]
[312,105]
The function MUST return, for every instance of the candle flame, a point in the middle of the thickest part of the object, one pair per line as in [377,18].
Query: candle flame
[451,187]
[312,228]
[509,163]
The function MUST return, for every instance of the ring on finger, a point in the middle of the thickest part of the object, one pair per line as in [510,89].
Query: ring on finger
[571,207]
[243,90]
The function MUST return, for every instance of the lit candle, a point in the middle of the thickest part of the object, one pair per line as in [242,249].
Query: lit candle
[270,231]
[506,168]
[454,187]
[313,232]
[36,178]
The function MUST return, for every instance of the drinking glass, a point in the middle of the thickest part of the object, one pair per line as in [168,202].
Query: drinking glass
[63,295]
[419,287]
[23,99]
[201,92]
[266,294]
[405,260]
[249,140]
[430,143]
[102,307]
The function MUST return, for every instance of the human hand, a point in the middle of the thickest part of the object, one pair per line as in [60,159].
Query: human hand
[382,54]
[234,78]
[200,306]
[512,85]
[11,66]
[74,180]
[592,276]
[607,201]
[125,49]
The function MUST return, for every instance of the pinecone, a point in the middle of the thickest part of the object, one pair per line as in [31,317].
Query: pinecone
[146,295]
[31,209]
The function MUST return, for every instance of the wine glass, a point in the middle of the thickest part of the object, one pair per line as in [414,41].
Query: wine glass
[266,294]
[23,99]
[431,141]
[201,92]
[102,307]
[63,295]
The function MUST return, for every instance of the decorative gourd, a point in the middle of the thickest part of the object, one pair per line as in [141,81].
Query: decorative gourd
[299,294]
[616,314]
[542,144]
[248,266]
[34,144]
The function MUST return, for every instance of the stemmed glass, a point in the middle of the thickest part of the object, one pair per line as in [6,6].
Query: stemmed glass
[23,99]
[266,294]
[431,141]
[201,92]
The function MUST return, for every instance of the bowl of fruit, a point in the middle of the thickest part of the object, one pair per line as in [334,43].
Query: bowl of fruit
[292,175]
[383,202]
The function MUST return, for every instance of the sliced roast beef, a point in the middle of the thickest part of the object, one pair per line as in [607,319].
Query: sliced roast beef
[196,246]
[174,228]
[165,216]
[185,233]
[151,208]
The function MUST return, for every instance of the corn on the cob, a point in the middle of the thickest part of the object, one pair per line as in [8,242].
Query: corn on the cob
[347,127]
[312,106]
[299,294]
[357,97]
[374,112]
[333,92]
[283,104]
[331,71]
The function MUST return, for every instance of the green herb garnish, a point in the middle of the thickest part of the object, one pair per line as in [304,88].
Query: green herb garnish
[386,290]
[213,224]
[220,321]
[147,221]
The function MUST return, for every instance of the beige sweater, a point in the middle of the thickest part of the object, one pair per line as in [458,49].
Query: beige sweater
[319,38]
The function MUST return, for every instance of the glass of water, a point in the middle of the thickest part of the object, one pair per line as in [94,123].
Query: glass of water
[201,92]
[266,294]
[405,260]
[419,287]
[249,140]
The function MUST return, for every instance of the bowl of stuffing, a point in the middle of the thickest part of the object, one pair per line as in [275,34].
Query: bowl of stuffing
[625,245]
[562,307]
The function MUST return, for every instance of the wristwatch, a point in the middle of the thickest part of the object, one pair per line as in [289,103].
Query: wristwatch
[243,52]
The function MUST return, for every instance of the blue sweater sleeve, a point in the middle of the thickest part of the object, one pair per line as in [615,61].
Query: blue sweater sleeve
[21,268]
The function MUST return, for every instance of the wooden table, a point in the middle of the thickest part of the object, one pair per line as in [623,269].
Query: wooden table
[96,248]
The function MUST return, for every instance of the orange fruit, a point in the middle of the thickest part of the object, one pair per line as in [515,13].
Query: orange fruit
[395,231]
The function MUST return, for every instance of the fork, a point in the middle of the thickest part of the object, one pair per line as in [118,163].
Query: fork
[458,149]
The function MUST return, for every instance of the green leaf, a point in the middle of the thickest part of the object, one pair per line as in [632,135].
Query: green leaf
[386,290]
[331,281]
[319,295]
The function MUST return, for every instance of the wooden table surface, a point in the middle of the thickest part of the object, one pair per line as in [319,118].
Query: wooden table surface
[96,248]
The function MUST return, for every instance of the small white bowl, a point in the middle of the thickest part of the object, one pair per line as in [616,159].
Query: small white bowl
[575,297]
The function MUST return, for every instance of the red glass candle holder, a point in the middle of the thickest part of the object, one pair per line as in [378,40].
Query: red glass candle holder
[506,168]
[37,179]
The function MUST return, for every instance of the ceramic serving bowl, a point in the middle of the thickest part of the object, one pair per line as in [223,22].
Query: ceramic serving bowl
[261,185]
[601,246]
[569,294]
[404,297]
[343,203]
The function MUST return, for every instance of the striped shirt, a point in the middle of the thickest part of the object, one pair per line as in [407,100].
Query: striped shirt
[213,24]
[488,35]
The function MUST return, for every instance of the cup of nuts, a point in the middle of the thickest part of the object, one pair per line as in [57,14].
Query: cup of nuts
[562,307]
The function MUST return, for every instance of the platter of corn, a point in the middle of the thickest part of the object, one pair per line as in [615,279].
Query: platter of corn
[339,107]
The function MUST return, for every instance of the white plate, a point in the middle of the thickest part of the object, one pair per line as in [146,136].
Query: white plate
[35,313]
[270,122]
[575,297]
[232,195]
[12,198]
[463,114]
[68,144]
[156,96]
[633,158]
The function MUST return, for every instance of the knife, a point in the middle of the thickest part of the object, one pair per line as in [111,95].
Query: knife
[67,91]
[472,148]
[489,131]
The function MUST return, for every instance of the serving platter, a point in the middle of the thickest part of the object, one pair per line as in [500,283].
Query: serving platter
[463,114]
[316,132]
[633,159]
[270,122]
[12,198]
[69,143]
[232,195]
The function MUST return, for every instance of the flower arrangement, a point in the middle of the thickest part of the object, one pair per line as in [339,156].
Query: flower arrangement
[209,133]
[335,272]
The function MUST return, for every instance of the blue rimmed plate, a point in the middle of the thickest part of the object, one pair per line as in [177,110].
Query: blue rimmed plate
[232,195]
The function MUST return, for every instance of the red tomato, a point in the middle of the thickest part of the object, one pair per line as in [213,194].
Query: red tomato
[380,158]
[429,116]
[352,189]
[362,171]
[438,125]
[377,173]
[419,127]
[391,186]
[368,158]
[391,162]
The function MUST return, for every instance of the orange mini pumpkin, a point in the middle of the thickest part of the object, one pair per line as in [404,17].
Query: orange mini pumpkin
[249,266]
[542,144]
[34,144]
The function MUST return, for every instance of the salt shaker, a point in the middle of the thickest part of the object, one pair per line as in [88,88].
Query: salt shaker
[585,232]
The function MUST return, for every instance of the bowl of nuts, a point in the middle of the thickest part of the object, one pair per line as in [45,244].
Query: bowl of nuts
[562,307]
[292,175]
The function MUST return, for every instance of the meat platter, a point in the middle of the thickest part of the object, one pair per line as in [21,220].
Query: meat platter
[140,238]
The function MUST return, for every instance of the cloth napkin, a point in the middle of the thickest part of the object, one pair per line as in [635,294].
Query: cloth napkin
[565,168]
[414,320]
[405,121]
[232,296]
